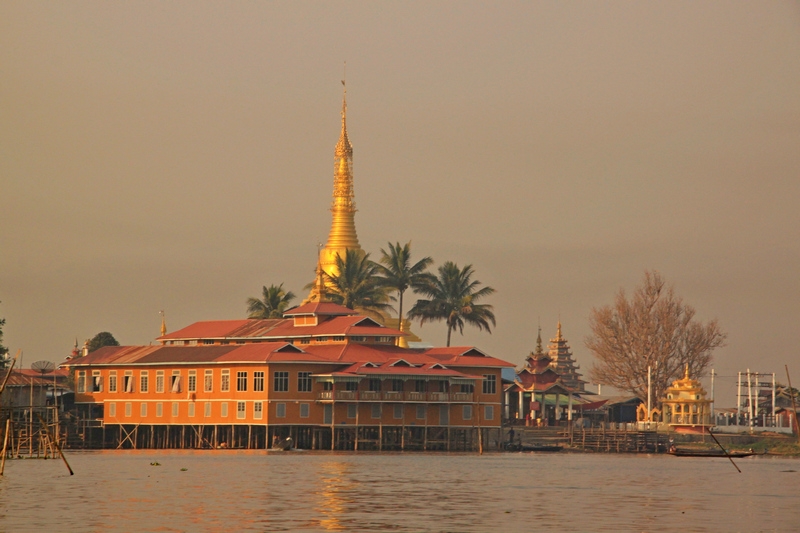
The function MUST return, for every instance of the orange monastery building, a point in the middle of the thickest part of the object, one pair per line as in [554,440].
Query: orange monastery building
[323,375]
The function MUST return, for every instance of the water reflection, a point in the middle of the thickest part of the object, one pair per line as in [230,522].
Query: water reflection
[332,501]
[304,491]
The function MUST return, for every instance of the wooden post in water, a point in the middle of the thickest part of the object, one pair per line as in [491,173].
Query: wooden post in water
[58,447]
[794,405]
[5,446]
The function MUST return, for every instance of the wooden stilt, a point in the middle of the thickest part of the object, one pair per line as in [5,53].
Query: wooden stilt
[5,447]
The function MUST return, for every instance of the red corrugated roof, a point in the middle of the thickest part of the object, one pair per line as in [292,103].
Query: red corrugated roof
[283,328]
[320,309]
[150,355]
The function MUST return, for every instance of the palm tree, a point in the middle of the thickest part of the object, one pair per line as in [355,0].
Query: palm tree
[356,284]
[399,275]
[274,303]
[452,298]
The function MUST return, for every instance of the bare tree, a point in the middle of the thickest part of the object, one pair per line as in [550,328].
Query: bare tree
[654,328]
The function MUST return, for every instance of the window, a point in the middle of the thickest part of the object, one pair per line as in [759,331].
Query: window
[357,338]
[207,410]
[398,411]
[208,341]
[144,381]
[376,410]
[489,384]
[98,381]
[81,381]
[327,414]
[128,381]
[159,409]
[208,381]
[280,410]
[241,407]
[467,414]
[444,415]
[374,384]
[128,409]
[241,381]
[159,381]
[258,410]
[281,381]
[112,381]
[175,407]
[421,412]
[327,385]
[488,412]
[192,384]
[223,409]
[397,385]
[351,386]
[191,409]
[352,410]
[468,388]
[225,383]
[304,410]
[112,410]
[175,383]
[420,386]
[303,381]
[258,381]
[143,410]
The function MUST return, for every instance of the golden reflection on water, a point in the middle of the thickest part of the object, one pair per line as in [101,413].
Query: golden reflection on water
[335,482]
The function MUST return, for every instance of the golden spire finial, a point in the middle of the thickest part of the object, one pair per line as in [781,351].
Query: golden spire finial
[558,331]
[163,322]
[539,349]
[686,374]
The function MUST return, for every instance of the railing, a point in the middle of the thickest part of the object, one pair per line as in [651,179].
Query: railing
[369,395]
[393,396]
[397,396]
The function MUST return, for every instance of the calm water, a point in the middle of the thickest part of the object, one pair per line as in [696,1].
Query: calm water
[317,491]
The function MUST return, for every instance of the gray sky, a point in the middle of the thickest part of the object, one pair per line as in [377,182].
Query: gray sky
[179,156]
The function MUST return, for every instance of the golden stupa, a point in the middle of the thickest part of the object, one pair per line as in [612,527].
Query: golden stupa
[342,236]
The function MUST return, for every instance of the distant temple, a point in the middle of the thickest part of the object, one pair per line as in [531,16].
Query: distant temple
[685,406]
[539,394]
[562,362]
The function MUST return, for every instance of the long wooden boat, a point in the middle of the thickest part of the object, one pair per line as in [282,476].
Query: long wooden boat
[533,448]
[684,452]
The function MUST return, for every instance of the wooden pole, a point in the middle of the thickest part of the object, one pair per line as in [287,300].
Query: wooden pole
[58,446]
[794,405]
[5,446]
[724,450]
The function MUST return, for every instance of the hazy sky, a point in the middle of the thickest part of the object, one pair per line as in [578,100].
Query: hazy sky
[179,155]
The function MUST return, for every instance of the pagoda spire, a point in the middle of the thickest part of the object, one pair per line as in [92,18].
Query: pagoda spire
[342,236]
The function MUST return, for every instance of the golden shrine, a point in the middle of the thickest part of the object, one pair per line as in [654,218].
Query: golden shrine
[685,407]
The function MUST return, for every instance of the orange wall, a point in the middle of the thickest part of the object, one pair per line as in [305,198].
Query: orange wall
[126,407]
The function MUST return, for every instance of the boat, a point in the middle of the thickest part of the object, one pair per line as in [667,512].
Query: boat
[542,448]
[686,452]
[282,444]
[533,447]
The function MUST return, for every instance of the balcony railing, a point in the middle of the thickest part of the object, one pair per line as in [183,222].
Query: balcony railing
[397,396]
